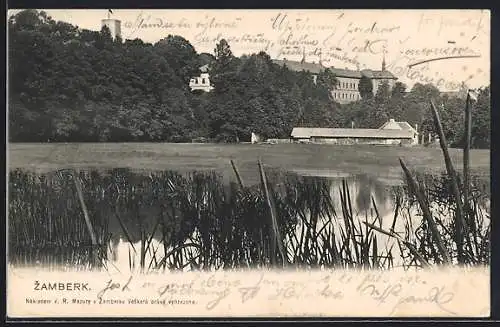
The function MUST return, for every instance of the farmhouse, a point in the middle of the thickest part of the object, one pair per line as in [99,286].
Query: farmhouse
[391,133]
[399,125]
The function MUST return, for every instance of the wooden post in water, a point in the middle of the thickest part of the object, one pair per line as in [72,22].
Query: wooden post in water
[460,221]
[49,204]
[86,215]
[276,237]
[466,158]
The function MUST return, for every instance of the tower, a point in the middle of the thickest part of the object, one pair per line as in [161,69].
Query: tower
[114,25]
[383,61]
[303,55]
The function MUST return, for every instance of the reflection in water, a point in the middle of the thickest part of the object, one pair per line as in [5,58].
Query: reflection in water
[168,221]
[364,189]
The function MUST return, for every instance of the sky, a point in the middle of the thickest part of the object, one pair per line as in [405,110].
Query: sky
[442,47]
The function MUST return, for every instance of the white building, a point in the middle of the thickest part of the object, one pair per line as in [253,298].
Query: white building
[348,80]
[402,126]
[201,82]
[391,133]
[114,26]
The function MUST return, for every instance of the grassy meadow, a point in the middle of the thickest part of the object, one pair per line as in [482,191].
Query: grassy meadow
[305,159]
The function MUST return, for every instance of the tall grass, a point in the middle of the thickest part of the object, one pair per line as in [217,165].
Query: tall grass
[201,223]
[45,216]
[465,238]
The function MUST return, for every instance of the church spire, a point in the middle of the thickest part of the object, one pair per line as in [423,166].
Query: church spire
[303,55]
[383,61]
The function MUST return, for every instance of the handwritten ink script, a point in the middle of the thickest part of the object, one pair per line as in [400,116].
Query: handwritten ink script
[419,46]
[259,293]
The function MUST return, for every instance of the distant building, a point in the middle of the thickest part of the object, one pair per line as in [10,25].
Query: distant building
[398,125]
[114,26]
[455,94]
[201,82]
[299,66]
[255,138]
[348,80]
[391,133]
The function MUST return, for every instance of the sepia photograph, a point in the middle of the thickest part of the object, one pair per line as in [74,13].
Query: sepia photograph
[248,163]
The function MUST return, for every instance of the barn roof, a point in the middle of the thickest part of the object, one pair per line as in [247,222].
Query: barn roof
[317,68]
[406,125]
[346,72]
[402,125]
[304,132]
[299,66]
[378,74]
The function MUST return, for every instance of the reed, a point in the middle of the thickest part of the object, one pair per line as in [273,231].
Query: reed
[467,233]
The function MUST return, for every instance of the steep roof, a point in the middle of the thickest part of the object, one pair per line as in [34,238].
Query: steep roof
[378,74]
[304,132]
[401,125]
[345,72]
[300,66]
[406,125]
[204,68]
[314,68]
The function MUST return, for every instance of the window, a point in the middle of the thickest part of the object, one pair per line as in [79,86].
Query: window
[202,81]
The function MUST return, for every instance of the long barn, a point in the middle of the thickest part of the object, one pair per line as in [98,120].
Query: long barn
[382,136]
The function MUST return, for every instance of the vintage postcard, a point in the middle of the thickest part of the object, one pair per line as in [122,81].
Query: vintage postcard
[248,163]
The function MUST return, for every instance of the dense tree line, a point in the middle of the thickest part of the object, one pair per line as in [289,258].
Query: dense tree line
[74,85]
[414,107]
